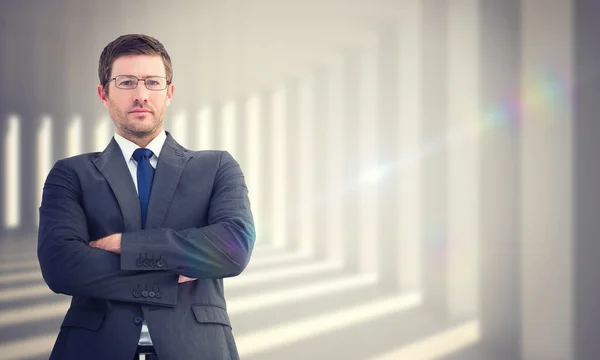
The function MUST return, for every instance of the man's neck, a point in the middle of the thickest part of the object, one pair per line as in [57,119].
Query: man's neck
[141,141]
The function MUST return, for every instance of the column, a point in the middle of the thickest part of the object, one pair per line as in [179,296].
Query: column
[5,105]
[500,281]
[293,171]
[33,94]
[334,180]
[586,169]
[307,189]
[279,149]
[266,157]
[387,177]
[409,139]
[320,154]
[433,156]
[351,161]
[370,173]
[463,158]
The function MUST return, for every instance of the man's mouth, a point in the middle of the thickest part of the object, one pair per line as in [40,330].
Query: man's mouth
[140,111]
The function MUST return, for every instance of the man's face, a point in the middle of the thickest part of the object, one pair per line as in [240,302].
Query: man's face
[137,113]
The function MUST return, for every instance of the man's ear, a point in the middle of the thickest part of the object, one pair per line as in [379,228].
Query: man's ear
[170,91]
[103,95]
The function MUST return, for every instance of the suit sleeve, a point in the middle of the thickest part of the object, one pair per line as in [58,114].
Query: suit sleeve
[221,249]
[71,267]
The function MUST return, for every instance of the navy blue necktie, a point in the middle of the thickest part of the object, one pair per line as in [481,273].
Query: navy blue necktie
[145,174]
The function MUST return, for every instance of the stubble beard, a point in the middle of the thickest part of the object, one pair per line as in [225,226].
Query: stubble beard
[128,128]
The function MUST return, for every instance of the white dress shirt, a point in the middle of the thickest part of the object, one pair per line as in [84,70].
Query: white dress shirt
[128,147]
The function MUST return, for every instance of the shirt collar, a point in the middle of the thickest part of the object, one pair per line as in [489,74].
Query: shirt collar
[128,147]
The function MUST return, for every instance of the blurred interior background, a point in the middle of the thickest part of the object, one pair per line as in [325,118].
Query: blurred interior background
[423,173]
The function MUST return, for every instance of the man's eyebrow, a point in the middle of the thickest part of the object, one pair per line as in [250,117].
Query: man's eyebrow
[140,77]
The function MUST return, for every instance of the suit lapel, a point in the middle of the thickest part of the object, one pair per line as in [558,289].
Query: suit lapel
[171,163]
[113,167]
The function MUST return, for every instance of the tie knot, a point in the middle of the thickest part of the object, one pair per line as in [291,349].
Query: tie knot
[142,153]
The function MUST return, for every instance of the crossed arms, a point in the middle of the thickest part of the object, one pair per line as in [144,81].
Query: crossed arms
[112,243]
[110,268]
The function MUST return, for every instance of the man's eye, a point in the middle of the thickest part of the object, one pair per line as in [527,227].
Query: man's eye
[152,82]
[126,82]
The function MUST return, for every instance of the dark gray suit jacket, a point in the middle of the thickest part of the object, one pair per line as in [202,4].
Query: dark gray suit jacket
[199,225]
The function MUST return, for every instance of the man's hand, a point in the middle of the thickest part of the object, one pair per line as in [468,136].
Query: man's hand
[110,243]
[184,279]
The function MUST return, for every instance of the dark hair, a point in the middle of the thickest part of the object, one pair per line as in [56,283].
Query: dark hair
[131,44]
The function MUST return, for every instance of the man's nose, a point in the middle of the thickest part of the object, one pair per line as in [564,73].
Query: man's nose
[141,93]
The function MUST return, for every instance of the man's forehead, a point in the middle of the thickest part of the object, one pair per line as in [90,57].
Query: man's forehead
[139,65]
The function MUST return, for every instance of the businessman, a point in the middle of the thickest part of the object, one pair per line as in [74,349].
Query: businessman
[142,234]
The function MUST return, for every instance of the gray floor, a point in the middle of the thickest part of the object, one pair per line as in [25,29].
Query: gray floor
[19,272]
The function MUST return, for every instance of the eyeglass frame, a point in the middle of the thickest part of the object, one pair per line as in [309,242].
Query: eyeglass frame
[138,81]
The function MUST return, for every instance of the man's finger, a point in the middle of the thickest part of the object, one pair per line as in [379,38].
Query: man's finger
[183,279]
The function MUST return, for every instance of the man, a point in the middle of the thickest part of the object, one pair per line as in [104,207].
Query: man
[142,234]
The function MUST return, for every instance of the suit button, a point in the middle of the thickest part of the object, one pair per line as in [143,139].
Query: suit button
[144,293]
[151,294]
[146,263]
[160,263]
[138,320]
[153,263]
[137,293]
[157,294]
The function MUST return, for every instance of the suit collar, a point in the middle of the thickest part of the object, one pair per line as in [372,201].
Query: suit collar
[172,161]
[113,167]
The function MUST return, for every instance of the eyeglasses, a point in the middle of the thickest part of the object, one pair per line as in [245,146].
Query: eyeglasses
[130,82]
